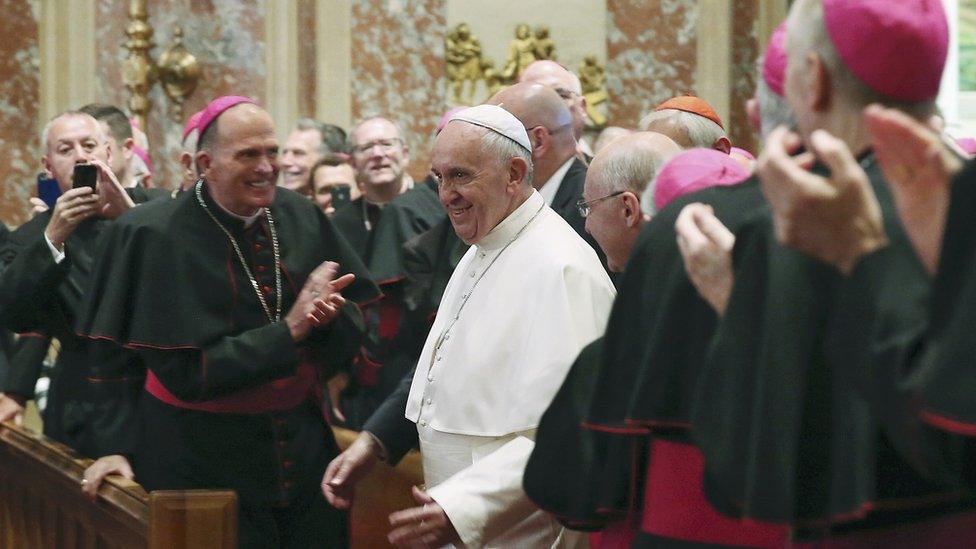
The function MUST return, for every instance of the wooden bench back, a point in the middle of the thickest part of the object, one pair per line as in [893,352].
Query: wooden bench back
[42,506]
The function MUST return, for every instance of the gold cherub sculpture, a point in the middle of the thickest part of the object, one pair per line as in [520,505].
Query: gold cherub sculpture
[463,55]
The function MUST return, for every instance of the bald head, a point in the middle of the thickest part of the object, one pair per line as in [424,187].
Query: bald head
[552,74]
[534,105]
[547,121]
[563,82]
[631,162]
[616,184]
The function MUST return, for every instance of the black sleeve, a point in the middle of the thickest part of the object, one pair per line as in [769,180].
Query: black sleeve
[389,424]
[116,384]
[226,366]
[25,366]
[28,287]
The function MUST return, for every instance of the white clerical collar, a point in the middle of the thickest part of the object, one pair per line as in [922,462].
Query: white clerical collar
[551,186]
[505,231]
[248,220]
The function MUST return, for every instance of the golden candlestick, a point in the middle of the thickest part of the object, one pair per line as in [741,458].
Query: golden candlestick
[177,69]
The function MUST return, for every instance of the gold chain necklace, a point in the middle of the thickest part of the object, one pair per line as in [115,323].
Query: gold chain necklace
[240,256]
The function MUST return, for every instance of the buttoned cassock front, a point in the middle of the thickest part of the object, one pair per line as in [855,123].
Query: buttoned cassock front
[519,307]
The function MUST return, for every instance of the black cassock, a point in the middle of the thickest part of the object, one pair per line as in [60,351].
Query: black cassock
[395,330]
[922,378]
[42,299]
[787,435]
[627,401]
[230,400]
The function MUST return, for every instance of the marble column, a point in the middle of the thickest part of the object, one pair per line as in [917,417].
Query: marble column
[19,100]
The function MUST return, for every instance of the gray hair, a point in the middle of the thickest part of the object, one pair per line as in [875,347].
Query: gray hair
[807,32]
[701,131]
[351,142]
[50,123]
[496,145]
[773,109]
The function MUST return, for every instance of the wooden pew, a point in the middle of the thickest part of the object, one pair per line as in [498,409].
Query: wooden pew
[42,506]
[385,490]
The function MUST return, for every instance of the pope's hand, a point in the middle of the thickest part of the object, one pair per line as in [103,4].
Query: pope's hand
[706,247]
[424,526]
[92,479]
[319,302]
[348,468]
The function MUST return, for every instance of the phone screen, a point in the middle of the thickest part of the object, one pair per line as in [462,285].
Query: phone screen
[340,195]
[48,189]
[85,175]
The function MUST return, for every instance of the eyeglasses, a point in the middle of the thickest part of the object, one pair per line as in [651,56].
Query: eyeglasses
[386,145]
[565,94]
[585,206]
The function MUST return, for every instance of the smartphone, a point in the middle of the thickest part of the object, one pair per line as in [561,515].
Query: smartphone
[85,176]
[48,189]
[340,195]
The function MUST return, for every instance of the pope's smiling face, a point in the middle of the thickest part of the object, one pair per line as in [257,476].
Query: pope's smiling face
[477,190]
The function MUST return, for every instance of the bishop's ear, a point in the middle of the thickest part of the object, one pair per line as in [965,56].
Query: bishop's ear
[204,161]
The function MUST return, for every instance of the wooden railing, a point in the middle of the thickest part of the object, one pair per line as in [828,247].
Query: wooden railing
[42,506]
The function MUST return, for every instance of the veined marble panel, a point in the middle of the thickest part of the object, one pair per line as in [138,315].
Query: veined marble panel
[19,99]
[226,36]
[651,55]
[398,69]
[745,49]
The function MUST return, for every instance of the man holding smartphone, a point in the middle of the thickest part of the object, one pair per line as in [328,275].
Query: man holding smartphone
[46,263]
[333,183]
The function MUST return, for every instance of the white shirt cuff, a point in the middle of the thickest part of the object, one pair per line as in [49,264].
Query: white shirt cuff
[56,253]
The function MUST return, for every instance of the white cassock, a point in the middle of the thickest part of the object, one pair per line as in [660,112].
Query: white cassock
[518,309]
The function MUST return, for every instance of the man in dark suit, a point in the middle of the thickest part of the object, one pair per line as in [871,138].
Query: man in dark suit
[559,173]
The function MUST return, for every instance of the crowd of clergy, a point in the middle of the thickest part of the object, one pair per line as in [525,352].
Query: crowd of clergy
[657,340]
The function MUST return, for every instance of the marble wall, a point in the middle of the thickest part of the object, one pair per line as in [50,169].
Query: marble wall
[394,56]
[19,99]
[650,55]
[745,49]
[398,68]
[226,36]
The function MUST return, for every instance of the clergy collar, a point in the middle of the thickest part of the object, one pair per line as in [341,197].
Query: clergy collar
[228,215]
[551,186]
[505,231]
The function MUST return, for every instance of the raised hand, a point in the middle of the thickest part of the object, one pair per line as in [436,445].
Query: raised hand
[113,200]
[837,219]
[706,247]
[319,301]
[71,208]
[918,166]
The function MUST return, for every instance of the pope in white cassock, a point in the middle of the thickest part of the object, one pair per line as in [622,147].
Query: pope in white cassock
[522,302]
